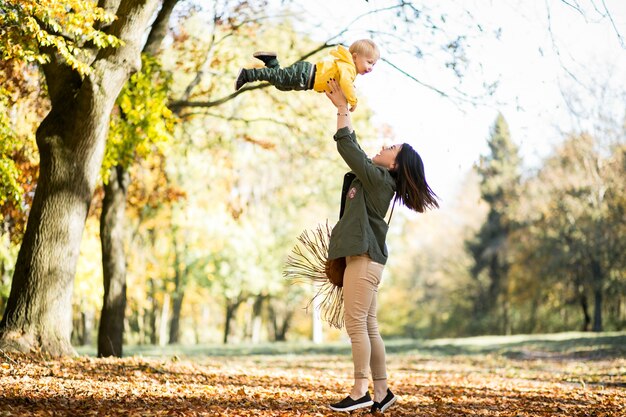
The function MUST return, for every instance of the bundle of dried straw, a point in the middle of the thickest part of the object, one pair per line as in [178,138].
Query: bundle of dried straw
[307,263]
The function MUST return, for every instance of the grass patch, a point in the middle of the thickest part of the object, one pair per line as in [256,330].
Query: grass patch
[574,345]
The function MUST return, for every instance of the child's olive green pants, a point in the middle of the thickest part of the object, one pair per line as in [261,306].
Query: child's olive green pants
[360,290]
[299,76]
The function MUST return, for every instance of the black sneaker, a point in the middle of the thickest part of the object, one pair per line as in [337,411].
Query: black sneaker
[348,404]
[241,79]
[268,58]
[385,403]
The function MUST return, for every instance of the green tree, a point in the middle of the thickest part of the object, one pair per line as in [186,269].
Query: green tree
[499,171]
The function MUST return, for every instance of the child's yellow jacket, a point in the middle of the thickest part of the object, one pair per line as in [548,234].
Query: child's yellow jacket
[341,68]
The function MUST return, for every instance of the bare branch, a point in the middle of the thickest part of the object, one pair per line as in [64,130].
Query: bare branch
[430,87]
[574,6]
[619,35]
[356,19]
[323,46]
[244,120]
[555,48]
[159,27]
[209,55]
[461,97]
[178,106]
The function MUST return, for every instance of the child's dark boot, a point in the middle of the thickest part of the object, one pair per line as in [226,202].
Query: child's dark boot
[268,58]
[241,79]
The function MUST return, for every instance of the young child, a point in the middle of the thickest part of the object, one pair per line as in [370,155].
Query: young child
[343,66]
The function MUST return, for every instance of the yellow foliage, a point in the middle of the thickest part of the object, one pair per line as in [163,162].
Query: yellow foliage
[141,121]
[33,30]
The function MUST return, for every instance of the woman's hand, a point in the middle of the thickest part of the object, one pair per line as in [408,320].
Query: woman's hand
[335,94]
[337,97]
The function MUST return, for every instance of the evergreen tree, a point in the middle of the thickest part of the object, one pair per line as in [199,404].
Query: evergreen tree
[499,173]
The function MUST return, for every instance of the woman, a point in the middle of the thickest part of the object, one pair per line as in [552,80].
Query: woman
[360,235]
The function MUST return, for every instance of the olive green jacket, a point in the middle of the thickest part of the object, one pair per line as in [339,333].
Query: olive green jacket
[367,192]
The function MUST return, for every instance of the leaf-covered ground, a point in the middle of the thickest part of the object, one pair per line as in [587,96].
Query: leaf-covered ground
[576,376]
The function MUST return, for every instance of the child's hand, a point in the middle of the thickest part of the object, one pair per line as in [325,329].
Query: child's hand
[353,107]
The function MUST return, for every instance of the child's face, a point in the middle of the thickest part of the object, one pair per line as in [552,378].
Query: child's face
[363,62]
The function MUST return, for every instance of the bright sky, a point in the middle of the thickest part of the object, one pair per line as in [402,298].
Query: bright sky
[451,136]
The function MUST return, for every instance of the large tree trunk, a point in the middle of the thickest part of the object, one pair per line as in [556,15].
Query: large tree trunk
[71,143]
[111,330]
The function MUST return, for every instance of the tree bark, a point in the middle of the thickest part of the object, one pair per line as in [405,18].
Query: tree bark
[87,319]
[597,311]
[281,333]
[585,307]
[71,143]
[177,305]
[153,312]
[111,330]
[279,330]
[596,270]
[231,309]
[316,317]
[159,28]
[257,319]
[180,282]
[163,319]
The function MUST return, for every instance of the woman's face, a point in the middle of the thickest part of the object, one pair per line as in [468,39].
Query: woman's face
[386,158]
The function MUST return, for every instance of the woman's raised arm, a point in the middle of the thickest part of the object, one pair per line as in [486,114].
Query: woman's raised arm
[339,100]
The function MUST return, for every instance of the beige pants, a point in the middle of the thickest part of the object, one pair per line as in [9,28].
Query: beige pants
[360,290]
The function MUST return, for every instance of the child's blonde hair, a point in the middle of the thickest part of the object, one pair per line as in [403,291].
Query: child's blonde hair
[365,47]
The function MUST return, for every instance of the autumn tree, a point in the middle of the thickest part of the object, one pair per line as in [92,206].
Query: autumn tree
[574,230]
[86,57]
[141,121]
[140,125]
[22,107]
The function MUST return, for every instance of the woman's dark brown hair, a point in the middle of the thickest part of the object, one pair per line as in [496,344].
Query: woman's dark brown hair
[412,190]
